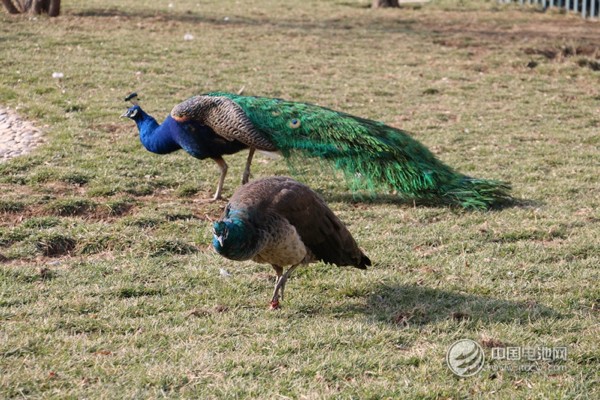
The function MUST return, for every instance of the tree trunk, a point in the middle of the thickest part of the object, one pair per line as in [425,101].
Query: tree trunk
[384,3]
[54,8]
[36,7]
[39,6]
[10,7]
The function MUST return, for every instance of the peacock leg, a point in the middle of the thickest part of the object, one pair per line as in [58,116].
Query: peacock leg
[223,167]
[280,286]
[246,175]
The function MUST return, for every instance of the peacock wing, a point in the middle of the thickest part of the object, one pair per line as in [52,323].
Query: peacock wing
[225,117]
[320,229]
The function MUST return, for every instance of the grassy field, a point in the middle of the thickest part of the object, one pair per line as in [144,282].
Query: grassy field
[109,287]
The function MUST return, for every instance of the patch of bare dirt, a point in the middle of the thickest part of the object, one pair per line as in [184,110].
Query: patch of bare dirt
[518,28]
[565,51]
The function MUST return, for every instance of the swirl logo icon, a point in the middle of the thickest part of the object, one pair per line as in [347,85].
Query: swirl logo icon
[465,357]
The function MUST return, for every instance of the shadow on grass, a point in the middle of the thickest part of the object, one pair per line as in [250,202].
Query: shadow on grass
[404,305]
[342,24]
[433,29]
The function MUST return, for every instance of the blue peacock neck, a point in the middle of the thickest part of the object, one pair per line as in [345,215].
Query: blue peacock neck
[235,239]
[156,138]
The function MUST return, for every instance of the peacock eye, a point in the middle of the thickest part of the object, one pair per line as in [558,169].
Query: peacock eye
[134,112]
[294,123]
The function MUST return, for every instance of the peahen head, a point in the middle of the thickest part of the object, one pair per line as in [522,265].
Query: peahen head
[235,239]
[220,234]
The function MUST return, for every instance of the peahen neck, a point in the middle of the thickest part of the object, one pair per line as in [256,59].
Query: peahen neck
[235,238]
[156,138]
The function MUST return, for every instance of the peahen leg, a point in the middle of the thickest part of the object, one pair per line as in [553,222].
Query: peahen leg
[246,175]
[280,287]
[275,298]
[223,167]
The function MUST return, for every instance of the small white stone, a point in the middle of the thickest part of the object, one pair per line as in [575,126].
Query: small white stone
[223,272]
[188,36]
[58,75]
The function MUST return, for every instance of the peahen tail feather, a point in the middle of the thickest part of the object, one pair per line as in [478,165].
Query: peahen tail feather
[372,155]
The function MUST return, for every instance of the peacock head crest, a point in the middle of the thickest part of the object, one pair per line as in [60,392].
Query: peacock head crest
[135,111]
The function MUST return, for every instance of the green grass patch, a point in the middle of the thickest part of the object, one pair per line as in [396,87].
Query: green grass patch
[70,207]
[54,244]
[119,207]
[41,222]
[163,247]
[187,190]
[11,206]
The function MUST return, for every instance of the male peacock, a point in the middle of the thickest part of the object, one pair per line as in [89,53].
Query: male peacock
[371,154]
[282,222]
[197,139]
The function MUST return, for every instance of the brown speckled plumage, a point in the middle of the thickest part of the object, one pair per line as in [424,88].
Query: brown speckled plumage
[224,116]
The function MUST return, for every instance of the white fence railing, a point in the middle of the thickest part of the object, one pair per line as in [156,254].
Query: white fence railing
[587,8]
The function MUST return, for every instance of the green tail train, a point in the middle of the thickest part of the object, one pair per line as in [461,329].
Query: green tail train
[370,153]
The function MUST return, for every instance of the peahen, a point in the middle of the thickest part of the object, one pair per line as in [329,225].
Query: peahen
[282,222]
[372,155]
